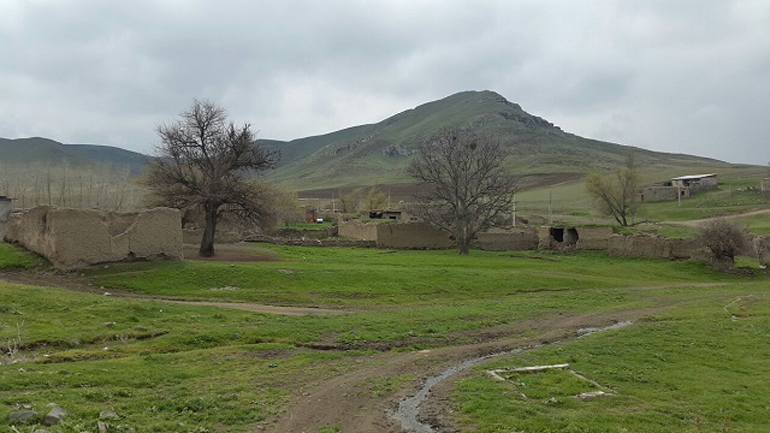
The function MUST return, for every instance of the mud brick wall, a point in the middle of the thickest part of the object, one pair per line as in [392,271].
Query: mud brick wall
[356,229]
[594,238]
[507,240]
[412,235]
[6,206]
[75,238]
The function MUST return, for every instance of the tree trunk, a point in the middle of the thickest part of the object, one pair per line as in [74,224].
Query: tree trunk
[207,242]
[464,243]
[464,249]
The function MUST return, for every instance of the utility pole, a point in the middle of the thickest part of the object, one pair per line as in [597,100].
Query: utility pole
[514,209]
[679,195]
[550,209]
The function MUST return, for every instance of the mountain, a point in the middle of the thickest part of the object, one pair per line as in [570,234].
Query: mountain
[37,150]
[380,152]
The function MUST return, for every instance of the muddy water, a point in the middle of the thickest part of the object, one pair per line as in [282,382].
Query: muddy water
[587,331]
[409,408]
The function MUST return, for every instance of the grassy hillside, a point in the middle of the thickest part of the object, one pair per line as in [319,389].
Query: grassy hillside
[378,153]
[37,150]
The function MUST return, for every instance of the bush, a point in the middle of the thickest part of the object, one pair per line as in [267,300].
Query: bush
[724,238]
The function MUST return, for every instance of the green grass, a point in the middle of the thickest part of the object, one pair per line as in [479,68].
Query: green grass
[725,201]
[759,224]
[688,366]
[342,277]
[173,367]
[309,226]
[547,384]
[13,257]
[158,366]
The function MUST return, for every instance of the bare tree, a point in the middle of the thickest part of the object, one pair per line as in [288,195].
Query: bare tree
[203,163]
[617,198]
[724,238]
[463,184]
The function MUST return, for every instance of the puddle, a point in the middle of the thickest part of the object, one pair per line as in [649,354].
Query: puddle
[409,408]
[587,331]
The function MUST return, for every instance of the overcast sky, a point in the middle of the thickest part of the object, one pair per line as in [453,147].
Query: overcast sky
[679,76]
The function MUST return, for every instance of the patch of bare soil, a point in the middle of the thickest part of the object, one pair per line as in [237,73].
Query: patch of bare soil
[263,308]
[232,253]
[346,399]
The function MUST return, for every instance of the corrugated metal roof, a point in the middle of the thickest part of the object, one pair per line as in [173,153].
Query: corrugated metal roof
[694,176]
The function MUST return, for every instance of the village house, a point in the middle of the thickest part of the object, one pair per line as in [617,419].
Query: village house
[679,187]
[696,182]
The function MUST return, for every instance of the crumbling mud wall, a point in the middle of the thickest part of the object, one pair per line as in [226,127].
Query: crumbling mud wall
[638,246]
[6,206]
[762,249]
[651,246]
[412,235]
[75,238]
[356,229]
[594,238]
[507,240]
[558,238]
[682,248]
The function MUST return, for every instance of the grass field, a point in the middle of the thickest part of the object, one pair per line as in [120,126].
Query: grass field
[180,367]
[689,369]
[737,193]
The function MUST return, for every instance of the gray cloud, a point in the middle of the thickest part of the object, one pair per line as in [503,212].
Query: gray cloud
[687,76]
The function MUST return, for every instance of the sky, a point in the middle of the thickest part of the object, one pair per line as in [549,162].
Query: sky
[685,76]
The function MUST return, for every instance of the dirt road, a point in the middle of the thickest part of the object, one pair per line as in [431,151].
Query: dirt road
[695,223]
[80,284]
[347,399]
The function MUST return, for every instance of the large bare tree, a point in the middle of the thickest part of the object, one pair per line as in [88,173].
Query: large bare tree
[203,163]
[463,185]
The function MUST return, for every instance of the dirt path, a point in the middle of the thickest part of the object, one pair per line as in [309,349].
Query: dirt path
[347,399]
[695,223]
[262,308]
[82,284]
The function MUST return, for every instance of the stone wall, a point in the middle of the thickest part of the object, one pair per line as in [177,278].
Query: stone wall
[507,240]
[412,235]
[663,193]
[357,229]
[74,238]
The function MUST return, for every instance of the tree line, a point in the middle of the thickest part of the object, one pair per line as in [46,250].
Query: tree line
[82,186]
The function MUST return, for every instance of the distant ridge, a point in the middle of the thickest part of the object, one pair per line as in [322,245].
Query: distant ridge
[379,153]
[38,150]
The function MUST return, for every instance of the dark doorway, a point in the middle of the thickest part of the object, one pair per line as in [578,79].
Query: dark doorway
[557,234]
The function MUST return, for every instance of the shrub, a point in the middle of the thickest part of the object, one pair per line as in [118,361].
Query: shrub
[724,238]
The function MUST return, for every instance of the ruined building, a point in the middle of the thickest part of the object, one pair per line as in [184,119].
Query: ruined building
[74,238]
[6,206]
[679,187]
